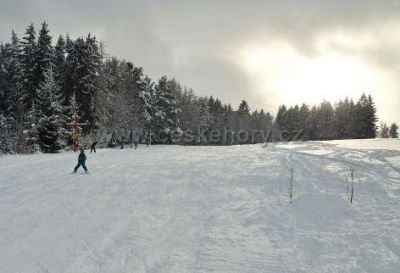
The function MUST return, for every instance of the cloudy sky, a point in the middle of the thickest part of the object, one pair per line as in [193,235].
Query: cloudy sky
[267,52]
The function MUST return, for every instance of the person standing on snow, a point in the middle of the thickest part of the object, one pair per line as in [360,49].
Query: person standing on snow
[131,138]
[135,141]
[81,160]
[122,139]
[93,147]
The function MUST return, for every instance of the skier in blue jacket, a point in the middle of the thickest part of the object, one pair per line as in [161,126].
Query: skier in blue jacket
[81,160]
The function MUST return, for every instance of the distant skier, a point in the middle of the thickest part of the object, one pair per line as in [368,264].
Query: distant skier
[131,138]
[81,160]
[136,141]
[122,142]
[93,147]
[148,138]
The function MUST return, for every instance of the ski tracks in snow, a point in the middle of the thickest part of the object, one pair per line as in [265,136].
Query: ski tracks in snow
[202,209]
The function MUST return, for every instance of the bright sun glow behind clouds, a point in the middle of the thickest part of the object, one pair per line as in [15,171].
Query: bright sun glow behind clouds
[296,78]
[336,64]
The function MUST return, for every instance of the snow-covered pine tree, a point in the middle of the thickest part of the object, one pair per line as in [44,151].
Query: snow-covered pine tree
[344,119]
[304,116]
[7,136]
[2,82]
[12,89]
[12,79]
[166,110]
[311,124]
[325,121]
[294,123]
[69,67]
[216,115]
[44,55]
[84,62]
[244,108]
[174,95]
[282,118]
[29,65]
[204,114]
[92,61]
[135,74]
[72,108]
[104,98]
[384,130]
[189,117]
[393,131]
[50,115]
[59,62]
[31,131]
[147,96]
[243,120]
[365,117]
[229,117]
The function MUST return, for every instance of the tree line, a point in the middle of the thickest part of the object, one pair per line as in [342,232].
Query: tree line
[42,84]
[344,120]
[386,132]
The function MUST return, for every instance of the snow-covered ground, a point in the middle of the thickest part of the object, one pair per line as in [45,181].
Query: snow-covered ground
[204,209]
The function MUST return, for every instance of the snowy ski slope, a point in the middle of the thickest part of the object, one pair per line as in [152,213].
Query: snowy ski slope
[204,209]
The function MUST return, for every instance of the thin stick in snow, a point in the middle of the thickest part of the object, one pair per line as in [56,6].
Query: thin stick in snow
[347,185]
[291,186]
[352,185]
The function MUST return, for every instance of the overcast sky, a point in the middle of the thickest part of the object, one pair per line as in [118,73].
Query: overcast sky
[266,52]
